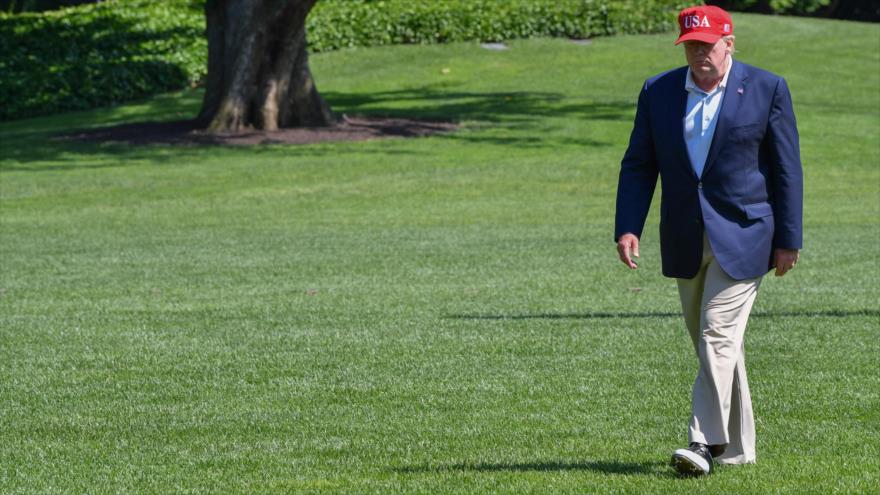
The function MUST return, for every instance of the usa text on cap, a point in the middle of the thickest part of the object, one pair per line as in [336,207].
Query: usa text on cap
[705,23]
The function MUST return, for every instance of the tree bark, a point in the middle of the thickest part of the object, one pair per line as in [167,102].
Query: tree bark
[258,67]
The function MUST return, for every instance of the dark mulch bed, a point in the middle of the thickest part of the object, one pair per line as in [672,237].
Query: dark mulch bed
[184,132]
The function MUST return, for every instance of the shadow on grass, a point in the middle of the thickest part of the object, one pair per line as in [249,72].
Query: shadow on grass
[523,117]
[657,314]
[605,467]
[522,111]
[438,103]
[60,156]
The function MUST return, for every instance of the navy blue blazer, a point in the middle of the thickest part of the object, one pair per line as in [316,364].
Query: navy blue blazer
[749,199]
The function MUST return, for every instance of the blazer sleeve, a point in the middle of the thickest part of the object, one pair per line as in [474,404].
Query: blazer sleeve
[786,171]
[638,174]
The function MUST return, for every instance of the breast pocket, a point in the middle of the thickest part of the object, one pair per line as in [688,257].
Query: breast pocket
[747,133]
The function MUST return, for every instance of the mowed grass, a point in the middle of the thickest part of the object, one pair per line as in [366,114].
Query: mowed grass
[435,315]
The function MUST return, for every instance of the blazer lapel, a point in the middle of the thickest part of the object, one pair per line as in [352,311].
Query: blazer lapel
[677,110]
[733,94]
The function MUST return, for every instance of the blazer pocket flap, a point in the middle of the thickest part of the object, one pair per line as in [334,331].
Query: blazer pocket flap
[746,129]
[746,132]
[758,210]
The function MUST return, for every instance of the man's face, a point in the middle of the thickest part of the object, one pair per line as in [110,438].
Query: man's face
[706,60]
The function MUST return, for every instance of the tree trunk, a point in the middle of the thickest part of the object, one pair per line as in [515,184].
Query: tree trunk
[258,67]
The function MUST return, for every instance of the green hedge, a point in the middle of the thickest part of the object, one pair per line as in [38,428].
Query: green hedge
[119,50]
[791,7]
[98,54]
[347,23]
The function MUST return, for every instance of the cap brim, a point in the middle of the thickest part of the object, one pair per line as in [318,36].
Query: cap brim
[698,36]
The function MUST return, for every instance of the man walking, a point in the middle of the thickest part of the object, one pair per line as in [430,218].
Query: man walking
[722,136]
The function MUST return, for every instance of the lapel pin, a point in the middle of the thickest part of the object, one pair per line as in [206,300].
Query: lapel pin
[739,91]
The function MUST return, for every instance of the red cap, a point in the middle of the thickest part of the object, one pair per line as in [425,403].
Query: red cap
[705,23]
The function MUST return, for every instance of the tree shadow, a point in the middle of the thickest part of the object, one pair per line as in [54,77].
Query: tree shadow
[604,467]
[834,313]
[527,114]
[60,155]
[439,102]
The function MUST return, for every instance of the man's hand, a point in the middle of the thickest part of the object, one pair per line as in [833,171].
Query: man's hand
[785,259]
[627,248]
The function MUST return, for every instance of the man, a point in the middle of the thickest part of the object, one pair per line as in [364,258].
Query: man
[722,136]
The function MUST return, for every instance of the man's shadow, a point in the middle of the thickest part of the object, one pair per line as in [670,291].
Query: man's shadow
[604,467]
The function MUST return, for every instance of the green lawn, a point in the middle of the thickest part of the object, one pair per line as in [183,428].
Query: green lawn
[435,315]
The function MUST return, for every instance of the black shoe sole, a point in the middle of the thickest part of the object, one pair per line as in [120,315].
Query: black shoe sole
[685,467]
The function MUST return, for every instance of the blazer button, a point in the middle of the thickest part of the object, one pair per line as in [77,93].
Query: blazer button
[699,185]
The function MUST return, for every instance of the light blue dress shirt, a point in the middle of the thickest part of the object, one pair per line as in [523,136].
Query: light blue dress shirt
[701,117]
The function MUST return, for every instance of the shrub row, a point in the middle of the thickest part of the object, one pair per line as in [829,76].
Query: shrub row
[796,7]
[119,50]
[347,23]
[98,54]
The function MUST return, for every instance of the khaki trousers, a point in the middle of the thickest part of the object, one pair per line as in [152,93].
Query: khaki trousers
[716,309]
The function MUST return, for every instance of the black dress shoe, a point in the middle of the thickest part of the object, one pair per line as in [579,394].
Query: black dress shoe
[693,461]
[717,450]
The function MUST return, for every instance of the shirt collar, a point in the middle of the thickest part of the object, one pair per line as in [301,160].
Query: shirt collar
[690,85]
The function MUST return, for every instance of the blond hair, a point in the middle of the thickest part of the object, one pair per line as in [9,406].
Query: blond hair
[732,39]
